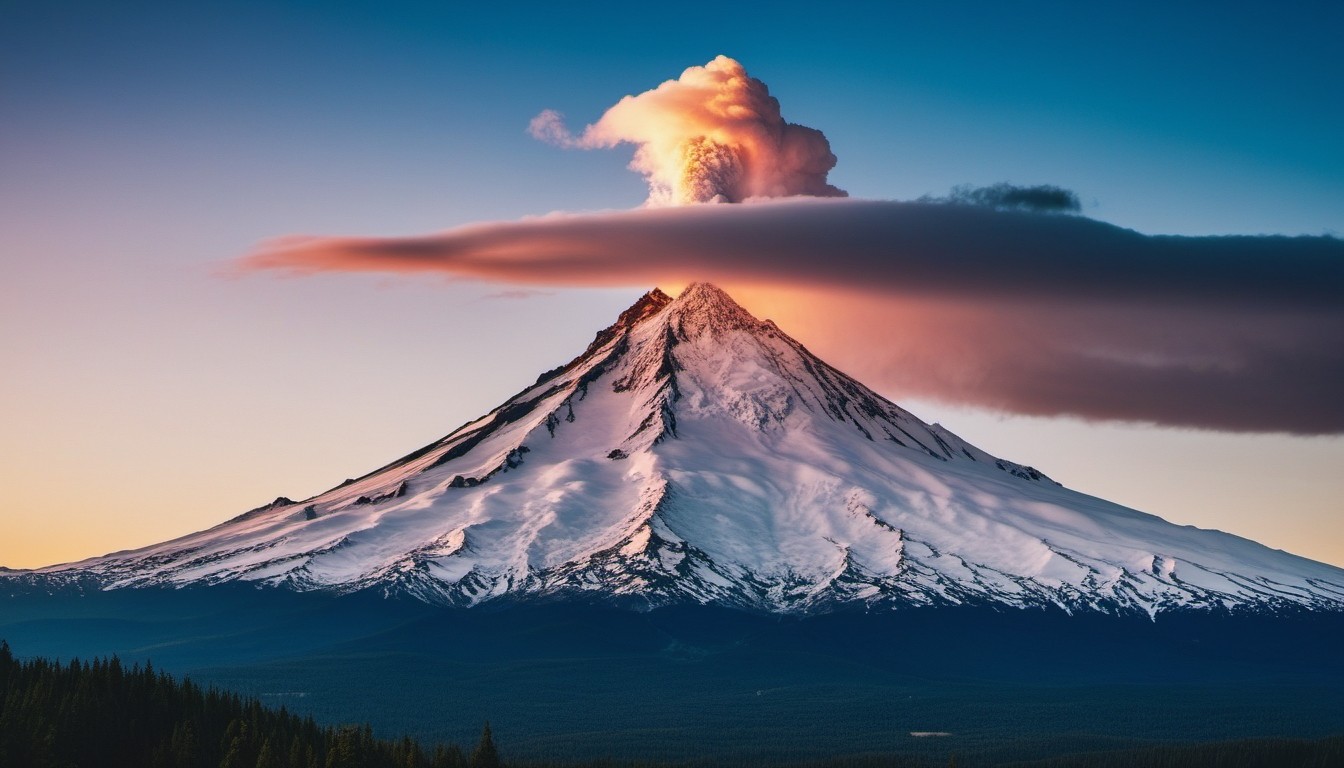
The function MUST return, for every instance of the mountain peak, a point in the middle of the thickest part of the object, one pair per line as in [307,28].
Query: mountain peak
[703,290]
[696,454]
[706,295]
[704,307]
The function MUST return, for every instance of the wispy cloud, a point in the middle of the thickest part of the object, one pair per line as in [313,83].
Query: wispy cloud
[1008,309]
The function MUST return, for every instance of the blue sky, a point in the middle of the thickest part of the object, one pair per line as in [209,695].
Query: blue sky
[143,145]
[1201,119]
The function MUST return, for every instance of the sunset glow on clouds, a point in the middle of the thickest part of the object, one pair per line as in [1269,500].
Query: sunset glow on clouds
[1032,313]
[996,297]
[713,135]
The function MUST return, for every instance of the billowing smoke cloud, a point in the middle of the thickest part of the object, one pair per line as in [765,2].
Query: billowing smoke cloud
[1012,310]
[713,135]
[1043,198]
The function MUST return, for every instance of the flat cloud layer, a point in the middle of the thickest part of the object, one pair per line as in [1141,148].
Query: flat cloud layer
[1013,310]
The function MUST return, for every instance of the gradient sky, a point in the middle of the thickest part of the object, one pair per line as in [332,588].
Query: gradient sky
[145,145]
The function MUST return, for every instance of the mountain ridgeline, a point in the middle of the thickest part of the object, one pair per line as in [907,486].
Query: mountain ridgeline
[694,454]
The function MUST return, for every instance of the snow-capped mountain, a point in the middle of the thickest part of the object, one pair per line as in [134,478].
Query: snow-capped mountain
[696,454]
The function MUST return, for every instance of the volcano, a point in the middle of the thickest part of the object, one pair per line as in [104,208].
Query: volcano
[695,454]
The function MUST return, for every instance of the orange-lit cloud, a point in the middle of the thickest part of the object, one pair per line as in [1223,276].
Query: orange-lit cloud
[1018,311]
[713,135]
[1201,366]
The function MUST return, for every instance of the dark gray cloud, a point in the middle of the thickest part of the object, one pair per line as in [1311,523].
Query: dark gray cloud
[1042,198]
[1038,313]
[1190,366]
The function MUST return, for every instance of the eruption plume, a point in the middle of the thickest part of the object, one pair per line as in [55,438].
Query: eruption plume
[713,135]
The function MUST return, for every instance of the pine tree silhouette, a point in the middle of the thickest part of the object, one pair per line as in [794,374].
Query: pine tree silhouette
[485,755]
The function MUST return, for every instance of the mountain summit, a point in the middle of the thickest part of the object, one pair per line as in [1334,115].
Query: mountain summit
[694,453]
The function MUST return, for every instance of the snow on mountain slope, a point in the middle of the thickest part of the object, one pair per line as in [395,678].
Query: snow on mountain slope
[695,453]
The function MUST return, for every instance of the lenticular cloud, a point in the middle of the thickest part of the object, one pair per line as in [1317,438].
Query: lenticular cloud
[713,135]
[1014,310]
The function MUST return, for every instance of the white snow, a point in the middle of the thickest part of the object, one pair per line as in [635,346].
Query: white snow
[699,454]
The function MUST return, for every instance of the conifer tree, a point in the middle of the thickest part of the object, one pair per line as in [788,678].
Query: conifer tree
[448,757]
[184,745]
[266,757]
[233,758]
[296,754]
[485,755]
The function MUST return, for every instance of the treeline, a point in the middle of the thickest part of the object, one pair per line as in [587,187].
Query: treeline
[103,713]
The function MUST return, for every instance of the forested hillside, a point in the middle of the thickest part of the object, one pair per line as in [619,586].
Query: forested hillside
[102,713]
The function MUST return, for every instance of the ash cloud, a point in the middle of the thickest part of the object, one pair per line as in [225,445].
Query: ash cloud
[713,135]
[1013,310]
